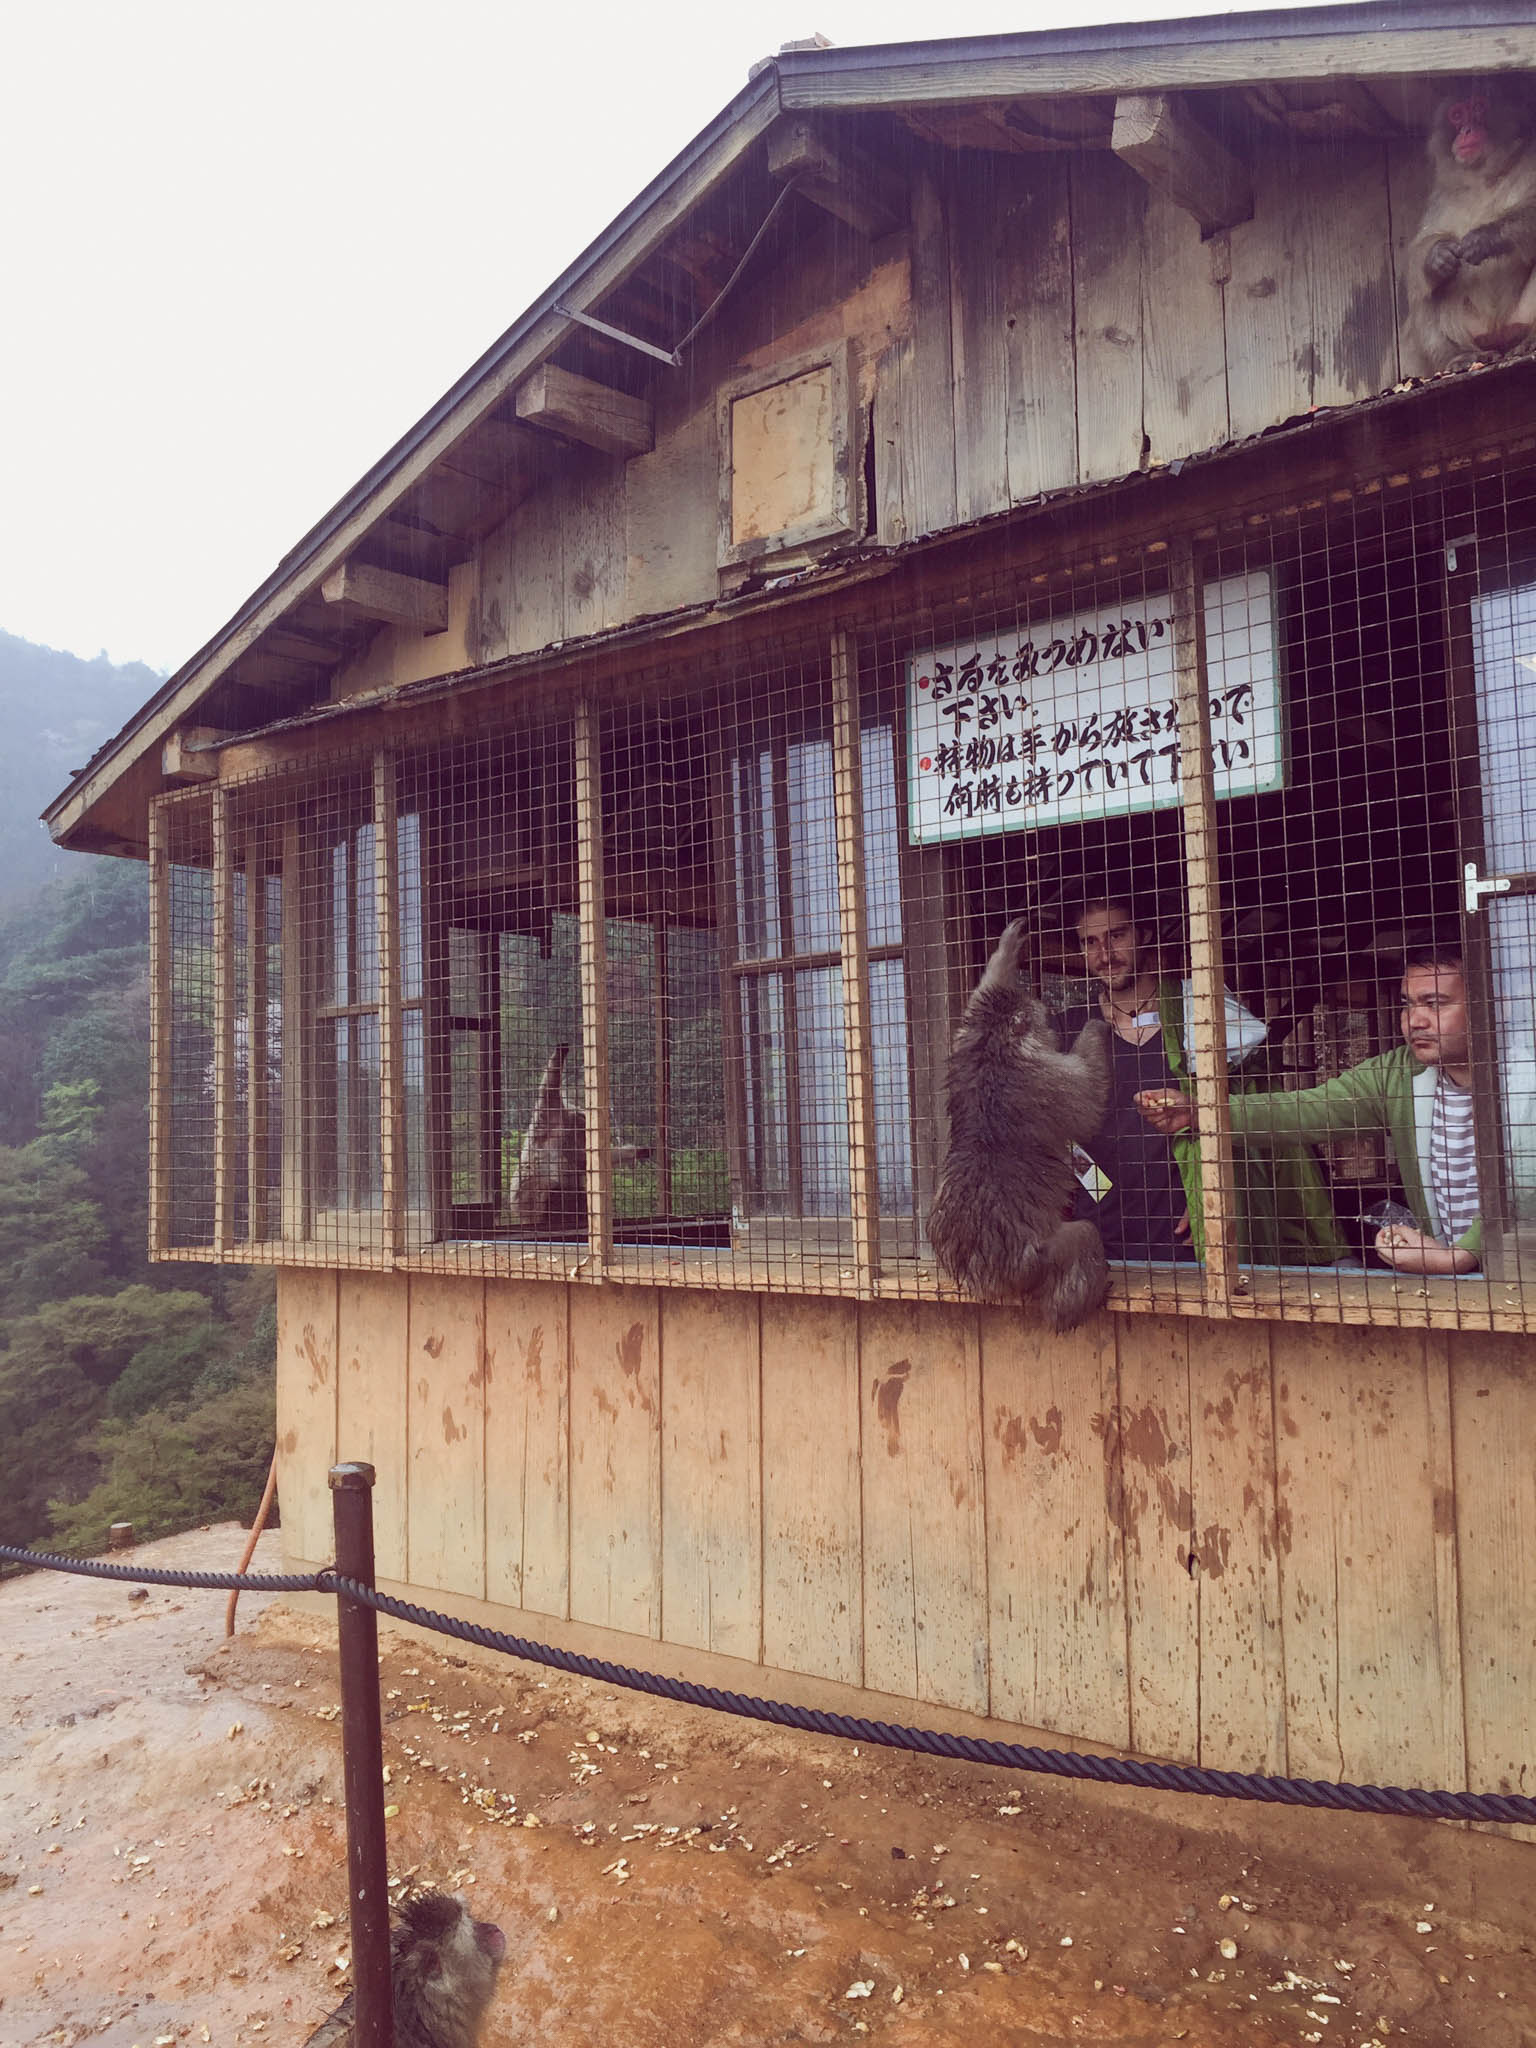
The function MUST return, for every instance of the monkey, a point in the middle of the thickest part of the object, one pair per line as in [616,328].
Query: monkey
[1016,1103]
[443,1966]
[549,1189]
[1472,265]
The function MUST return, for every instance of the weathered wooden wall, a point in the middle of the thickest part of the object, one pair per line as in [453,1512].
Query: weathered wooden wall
[1044,322]
[1275,1548]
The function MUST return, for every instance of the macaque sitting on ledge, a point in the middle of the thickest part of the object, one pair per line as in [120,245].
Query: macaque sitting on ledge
[1470,282]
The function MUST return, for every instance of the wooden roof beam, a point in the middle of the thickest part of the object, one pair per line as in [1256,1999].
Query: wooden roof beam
[383,594]
[1163,144]
[581,410]
[838,180]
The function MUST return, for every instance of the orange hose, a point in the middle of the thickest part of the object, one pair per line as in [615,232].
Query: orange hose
[268,1494]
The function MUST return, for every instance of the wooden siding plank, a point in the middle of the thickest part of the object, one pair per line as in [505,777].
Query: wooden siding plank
[1162,1596]
[711,1473]
[615,1410]
[1237,1568]
[1184,385]
[1493,1391]
[306,1411]
[924,1508]
[1310,309]
[930,389]
[1408,180]
[371,1401]
[891,430]
[595,547]
[1041,418]
[813,1590]
[447,1434]
[1055,1555]
[1109,205]
[527,1445]
[983,226]
[1368,1684]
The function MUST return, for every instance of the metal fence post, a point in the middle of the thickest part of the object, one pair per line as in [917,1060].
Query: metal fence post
[362,1750]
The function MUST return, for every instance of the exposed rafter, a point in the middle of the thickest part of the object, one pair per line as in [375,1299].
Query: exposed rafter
[382,594]
[1163,144]
[581,410]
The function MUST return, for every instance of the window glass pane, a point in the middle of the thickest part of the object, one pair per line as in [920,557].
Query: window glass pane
[701,1180]
[823,1092]
[1504,624]
[408,885]
[882,837]
[366,961]
[365,1157]
[1512,934]
[466,981]
[468,1114]
[756,845]
[893,1102]
[339,979]
[813,847]
[767,1104]
[413,1055]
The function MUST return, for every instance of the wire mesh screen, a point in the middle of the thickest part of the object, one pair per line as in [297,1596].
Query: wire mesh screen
[664,982]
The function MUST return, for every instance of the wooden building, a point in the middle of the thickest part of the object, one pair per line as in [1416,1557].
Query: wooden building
[973,478]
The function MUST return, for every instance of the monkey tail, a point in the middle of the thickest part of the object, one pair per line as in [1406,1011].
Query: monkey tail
[1074,1275]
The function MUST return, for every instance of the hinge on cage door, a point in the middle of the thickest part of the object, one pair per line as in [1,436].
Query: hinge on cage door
[1474,887]
[1462,540]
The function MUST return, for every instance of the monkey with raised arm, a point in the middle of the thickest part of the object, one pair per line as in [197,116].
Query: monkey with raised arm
[443,1965]
[549,1189]
[1471,279]
[1016,1105]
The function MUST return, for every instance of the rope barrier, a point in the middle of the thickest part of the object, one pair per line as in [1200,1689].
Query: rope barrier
[147,1575]
[1011,1756]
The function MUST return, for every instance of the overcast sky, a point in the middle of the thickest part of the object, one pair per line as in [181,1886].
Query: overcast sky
[244,247]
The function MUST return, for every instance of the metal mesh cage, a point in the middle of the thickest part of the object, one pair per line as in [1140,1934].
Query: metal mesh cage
[653,971]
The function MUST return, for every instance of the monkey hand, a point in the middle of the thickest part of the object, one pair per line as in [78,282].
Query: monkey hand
[1003,967]
[1479,244]
[1442,262]
[1166,1110]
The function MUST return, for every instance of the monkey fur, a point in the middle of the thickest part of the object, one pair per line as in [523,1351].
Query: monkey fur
[1471,272]
[1016,1104]
[443,1965]
[549,1189]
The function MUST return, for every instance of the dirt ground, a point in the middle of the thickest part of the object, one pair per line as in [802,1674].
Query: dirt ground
[172,1864]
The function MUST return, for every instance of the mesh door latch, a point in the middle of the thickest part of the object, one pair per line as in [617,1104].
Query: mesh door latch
[1475,887]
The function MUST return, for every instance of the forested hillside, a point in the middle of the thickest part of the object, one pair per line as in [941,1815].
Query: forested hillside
[127,1392]
[55,711]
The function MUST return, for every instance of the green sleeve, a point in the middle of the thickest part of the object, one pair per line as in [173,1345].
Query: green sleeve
[1472,1241]
[1355,1100]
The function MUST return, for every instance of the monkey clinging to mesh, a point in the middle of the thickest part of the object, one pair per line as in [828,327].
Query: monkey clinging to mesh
[443,1965]
[1016,1104]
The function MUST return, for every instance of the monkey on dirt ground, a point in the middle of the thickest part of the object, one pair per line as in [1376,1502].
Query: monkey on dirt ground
[1471,278]
[443,1967]
[1016,1105]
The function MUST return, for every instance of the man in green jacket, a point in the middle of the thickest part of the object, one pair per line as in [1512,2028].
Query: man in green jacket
[1419,1094]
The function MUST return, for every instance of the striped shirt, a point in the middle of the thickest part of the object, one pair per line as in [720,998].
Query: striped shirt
[1452,1159]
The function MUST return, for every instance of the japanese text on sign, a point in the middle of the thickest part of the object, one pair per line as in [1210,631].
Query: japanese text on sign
[1077,717]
